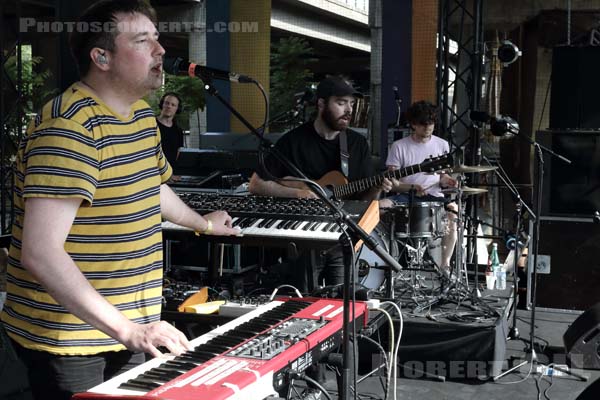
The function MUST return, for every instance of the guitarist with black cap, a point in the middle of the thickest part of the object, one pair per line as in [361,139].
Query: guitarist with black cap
[321,147]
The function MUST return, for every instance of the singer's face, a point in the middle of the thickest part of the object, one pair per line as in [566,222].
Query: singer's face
[337,112]
[136,63]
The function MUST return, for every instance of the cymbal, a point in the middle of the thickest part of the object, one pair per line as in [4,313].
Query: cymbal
[466,191]
[468,169]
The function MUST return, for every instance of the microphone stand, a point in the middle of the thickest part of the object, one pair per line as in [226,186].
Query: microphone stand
[539,149]
[519,205]
[341,216]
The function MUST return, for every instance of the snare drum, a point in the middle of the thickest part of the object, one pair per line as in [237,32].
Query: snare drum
[421,220]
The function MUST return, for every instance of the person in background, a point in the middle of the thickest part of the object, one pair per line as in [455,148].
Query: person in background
[171,135]
[314,148]
[85,272]
[412,150]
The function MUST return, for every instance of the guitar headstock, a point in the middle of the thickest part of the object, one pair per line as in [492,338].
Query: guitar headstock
[442,163]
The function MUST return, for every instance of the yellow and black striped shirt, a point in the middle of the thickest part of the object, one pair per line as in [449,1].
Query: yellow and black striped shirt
[77,147]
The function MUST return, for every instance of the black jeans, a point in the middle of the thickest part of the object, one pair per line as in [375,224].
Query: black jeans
[59,377]
[312,268]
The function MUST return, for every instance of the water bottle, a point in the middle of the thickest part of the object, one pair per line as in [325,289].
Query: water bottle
[495,262]
[501,279]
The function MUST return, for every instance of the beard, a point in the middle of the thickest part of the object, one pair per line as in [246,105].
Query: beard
[333,123]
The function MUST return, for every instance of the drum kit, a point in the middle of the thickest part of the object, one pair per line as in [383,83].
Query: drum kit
[412,233]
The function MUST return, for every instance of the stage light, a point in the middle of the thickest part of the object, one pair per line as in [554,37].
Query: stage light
[508,52]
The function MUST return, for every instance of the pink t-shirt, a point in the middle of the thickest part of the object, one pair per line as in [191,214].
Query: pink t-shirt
[406,152]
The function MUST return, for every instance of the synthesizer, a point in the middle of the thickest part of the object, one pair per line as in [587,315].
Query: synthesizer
[247,358]
[307,221]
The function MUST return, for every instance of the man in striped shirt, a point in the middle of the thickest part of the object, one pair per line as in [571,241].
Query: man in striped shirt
[84,278]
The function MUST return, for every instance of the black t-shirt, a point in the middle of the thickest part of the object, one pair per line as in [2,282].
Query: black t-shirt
[171,139]
[315,156]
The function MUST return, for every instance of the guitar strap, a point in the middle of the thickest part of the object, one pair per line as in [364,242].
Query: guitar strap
[344,155]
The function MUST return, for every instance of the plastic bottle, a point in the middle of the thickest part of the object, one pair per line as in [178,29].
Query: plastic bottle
[501,278]
[490,278]
[495,263]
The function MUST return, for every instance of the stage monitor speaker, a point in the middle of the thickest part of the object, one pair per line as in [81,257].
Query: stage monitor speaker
[582,340]
[575,88]
[590,392]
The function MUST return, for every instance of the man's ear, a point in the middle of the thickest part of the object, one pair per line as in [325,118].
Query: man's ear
[100,58]
[321,104]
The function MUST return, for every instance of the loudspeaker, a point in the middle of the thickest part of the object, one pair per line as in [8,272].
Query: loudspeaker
[574,264]
[582,340]
[575,87]
[590,392]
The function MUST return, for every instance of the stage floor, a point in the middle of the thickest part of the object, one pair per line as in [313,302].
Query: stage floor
[550,326]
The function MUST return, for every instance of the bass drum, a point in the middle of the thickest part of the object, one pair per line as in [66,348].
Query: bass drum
[369,275]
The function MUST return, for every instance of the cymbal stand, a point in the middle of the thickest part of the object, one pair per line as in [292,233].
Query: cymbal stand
[459,263]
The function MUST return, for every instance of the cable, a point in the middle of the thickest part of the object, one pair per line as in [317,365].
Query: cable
[282,286]
[301,376]
[395,356]
[382,351]
[263,128]
[392,336]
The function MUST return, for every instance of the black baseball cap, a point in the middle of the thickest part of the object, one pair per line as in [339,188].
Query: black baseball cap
[336,86]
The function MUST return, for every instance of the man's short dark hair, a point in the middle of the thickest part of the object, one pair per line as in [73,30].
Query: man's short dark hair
[422,113]
[95,19]
[335,86]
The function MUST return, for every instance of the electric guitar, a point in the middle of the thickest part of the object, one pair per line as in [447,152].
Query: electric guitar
[337,186]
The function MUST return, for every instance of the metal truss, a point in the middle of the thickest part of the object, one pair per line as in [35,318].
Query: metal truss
[459,90]
[460,58]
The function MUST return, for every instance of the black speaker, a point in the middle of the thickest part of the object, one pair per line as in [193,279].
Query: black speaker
[590,392]
[575,87]
[573,247]
[582,340]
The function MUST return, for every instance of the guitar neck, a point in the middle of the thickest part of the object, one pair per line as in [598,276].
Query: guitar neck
[361,185]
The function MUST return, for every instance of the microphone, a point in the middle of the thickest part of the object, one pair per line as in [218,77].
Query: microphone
[396,94]
[176,65]
[480,116]
[500,125]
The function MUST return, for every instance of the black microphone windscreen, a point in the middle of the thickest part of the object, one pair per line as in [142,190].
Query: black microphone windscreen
[479,116]
[172,65]
[499,127]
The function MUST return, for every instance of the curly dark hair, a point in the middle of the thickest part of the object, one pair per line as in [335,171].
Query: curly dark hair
[97,20]
[422,113]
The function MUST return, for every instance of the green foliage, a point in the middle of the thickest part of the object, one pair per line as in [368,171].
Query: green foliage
[191,92]
[290,58]
[33,91]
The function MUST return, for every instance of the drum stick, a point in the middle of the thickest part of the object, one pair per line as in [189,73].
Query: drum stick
[430,186]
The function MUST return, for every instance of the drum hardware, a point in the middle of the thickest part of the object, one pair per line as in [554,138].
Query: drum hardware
[417,220]
[468,169]
[465,191]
